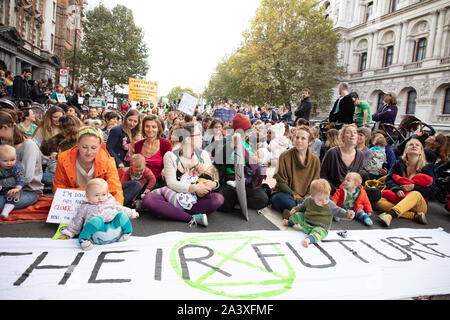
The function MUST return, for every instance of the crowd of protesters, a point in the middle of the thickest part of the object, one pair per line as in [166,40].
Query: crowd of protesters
[154,158]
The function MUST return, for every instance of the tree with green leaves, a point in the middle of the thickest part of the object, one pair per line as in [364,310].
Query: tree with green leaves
[291,45]
[112,48]
[177,93]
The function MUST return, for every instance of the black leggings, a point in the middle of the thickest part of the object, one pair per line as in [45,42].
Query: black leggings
[256,198]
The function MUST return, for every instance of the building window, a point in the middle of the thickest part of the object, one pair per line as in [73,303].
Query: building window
[411,102]
[420,47]
[394,6]
[52,45]
[363,61]
[54,11]
[380,100]
[388,56]
[369,10]
[447,102]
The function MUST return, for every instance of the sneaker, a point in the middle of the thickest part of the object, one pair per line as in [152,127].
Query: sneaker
[201,219]
[86,245]
[368,221]
[421,218]
[124,237]
[385,218]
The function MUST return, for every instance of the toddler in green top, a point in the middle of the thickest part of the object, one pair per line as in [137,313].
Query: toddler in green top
[316,213]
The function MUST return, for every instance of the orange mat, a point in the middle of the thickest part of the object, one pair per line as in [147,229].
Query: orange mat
[35,213]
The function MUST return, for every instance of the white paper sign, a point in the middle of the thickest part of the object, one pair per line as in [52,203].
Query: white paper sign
[61,98]
[187,104]
[65,204]
[368,264]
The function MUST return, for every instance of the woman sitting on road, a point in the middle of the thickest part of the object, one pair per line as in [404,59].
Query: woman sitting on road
[121,138]
[89,159]
[297,168]
[153,147]
[224,162]
[409,183]
[339,161]
[50,126]
[28,154]
[180,165]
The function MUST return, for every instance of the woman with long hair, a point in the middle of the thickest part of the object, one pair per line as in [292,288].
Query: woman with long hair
[28,154]
[409,183]
[122,137]
[50,126]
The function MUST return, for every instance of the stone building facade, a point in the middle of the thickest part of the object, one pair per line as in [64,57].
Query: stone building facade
[33,34]
[402,46]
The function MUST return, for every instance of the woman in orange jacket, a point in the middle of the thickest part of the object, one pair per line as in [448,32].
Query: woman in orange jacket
[89,159]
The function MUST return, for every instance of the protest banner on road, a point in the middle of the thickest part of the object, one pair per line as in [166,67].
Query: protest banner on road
[188,104]
[142,90]
[368,264]
[65,204]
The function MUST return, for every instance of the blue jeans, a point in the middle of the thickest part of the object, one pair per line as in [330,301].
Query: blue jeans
[102,233]
[131,190]
[26,199]
[281,201]
[47,179]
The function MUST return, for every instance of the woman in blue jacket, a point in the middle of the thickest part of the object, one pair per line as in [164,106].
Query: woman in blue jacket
[122,137]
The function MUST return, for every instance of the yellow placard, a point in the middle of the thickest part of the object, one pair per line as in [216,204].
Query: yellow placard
[142,90]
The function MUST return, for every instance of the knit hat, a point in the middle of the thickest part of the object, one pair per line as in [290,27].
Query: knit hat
[241,121]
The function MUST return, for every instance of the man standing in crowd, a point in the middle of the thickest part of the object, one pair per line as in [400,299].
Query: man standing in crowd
[304,110]
[362,111]
[21,87]
[343,109]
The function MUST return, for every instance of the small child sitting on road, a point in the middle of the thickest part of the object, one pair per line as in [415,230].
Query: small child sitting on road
[316,213]
[12,179]
[139,171]
[100,219]
[351,195]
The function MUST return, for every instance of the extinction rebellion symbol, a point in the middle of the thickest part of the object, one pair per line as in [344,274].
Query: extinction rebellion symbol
[234,266]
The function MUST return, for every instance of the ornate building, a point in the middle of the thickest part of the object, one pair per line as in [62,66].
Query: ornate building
[401,46]
[34,33]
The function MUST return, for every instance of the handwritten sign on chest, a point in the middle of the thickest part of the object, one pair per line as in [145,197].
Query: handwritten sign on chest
[65,204]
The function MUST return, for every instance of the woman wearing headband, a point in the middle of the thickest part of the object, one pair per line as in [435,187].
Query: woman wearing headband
[89,159]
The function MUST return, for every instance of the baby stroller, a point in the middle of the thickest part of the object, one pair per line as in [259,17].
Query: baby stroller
[407,127]
[8,103]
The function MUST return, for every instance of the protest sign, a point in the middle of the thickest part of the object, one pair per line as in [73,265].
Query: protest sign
[96,102]
[368,264]
[65,204]
[240,177]
[225,115]
[142,90]
[188,104]
[61,98]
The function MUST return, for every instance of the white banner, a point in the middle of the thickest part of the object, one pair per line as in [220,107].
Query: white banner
[368,264]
